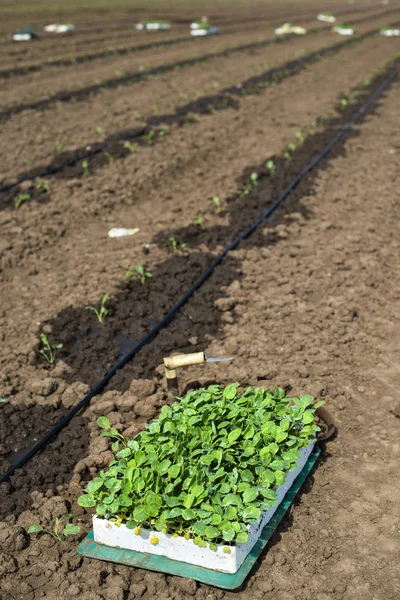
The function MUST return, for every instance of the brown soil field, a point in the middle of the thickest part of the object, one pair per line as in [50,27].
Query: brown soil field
[309,301]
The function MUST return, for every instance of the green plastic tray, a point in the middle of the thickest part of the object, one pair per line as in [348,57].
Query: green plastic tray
[229,581]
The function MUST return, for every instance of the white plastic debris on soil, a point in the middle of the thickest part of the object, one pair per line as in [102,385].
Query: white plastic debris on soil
[117,232]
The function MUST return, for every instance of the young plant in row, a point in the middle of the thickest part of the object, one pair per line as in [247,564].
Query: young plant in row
[48,350]
[140,273]
[102,312]
[208,467]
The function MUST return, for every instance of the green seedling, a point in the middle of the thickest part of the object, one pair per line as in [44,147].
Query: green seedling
[137,115]
[164,130]
[60,536]
[217,204]
[59,147]
[48,350]
[199,221]
[20,199]
[130,147]
[140,273]
[174,245]
[150,136]
[43,186]
[208,467]
[102,312]
[292,147]
[109,157]
[100,130]
[300,136]
[287,156]
[271,166]
[343,103]
[85,167]
[251,183]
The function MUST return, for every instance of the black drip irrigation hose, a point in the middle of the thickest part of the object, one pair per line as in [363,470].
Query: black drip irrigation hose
[266,215]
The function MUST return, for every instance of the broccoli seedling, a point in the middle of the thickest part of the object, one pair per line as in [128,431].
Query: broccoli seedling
[85,167]
[20,199]
[140,273]
[217,204]
[60,536]
[102,312]
[48,350]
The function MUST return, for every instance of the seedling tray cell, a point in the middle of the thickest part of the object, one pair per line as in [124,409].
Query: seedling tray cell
[89,548]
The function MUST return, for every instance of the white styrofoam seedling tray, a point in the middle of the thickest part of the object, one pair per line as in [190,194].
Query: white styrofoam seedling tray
[341,31]
[390,32]
[22,37]
[199,31]
[177,548]
[153,26]
[326,18]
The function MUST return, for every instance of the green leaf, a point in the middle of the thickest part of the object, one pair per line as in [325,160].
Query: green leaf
[249,495]
[318,404]
[140,514]
[188,502]
[230,391]
[231,499]
[308,417]
[230,513]
[251,512]
[233,436]
[94,486]
[103,423]
[86,501]
[280,435]
[35,529]
[211,532]
[280,477]
[188,514]
[242,537]
[228,533]
[71,529]
[197,490]
[174,471]
[277,465]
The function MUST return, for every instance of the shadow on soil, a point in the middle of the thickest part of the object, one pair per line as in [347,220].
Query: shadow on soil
[20,428]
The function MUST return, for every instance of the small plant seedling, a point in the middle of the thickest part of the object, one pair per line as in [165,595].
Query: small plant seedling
[271,166]
[43,186]
[199,221]
[164,130]
[174,245]
[137,115]
[299,135]
[287,156]
[217,204]
[140,273]
[20,199]
[59,147]
[343,103]
[130,147]
[292,147]
[150,136]
[85,167]
[109,157]
[102,312]
[48,350]
[60,536]
[100,130]
[251,183]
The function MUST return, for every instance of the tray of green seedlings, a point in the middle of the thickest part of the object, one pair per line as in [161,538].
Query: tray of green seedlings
[389,31]
[290,29]
[154,25]
[326,17]
[200,484]
[59,28]
[25,34]
[202,27]
[344,29]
